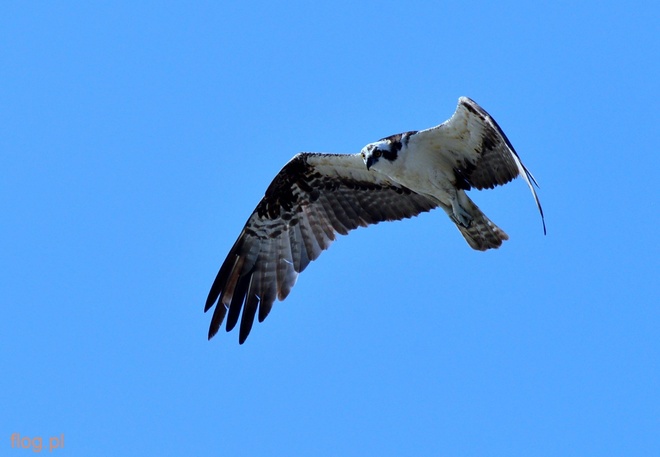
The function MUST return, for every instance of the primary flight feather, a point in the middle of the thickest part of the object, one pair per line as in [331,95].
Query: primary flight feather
[315,196]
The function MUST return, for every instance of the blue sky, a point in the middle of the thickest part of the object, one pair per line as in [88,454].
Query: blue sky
[137,138]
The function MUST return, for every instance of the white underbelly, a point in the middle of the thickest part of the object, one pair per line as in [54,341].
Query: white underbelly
[427,179]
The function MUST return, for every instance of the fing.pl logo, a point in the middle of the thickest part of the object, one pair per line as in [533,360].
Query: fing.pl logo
[36,443]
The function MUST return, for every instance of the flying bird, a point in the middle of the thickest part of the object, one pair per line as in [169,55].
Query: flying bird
[316,196]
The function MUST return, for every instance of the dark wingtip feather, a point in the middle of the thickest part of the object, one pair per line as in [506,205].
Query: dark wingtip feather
[214,293]
[247,319]
[264,310]
[531,181]
[216,320]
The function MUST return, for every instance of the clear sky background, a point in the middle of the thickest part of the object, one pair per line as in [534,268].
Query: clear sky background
[137,137]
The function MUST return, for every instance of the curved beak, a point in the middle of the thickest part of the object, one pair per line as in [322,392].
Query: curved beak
[370,161]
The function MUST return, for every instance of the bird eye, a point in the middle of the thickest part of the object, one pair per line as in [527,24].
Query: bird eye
[377,153]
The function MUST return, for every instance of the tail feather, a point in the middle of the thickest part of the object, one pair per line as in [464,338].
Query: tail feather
[481,233]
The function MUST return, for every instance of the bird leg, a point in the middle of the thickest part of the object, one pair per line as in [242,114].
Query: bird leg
[459,215]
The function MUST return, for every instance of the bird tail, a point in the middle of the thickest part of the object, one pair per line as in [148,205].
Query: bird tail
[480,233]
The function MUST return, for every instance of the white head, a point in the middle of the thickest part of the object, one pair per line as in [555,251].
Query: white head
[378,154]
[381,154]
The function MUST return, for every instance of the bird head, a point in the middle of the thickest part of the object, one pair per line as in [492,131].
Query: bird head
[377,154]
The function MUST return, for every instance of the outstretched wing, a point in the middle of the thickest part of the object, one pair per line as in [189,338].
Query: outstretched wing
[478,150]
[311,199]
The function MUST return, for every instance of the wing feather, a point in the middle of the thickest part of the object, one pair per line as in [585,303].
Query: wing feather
[299,255]
[286,274]
[356,215]
[250,308]
[334,208]
[313,198]
[320,224]
[237,297]
[309,238]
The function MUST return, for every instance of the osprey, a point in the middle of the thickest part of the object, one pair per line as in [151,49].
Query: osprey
[315,196]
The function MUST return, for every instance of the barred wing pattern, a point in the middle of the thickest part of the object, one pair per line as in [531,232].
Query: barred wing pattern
[314,197]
